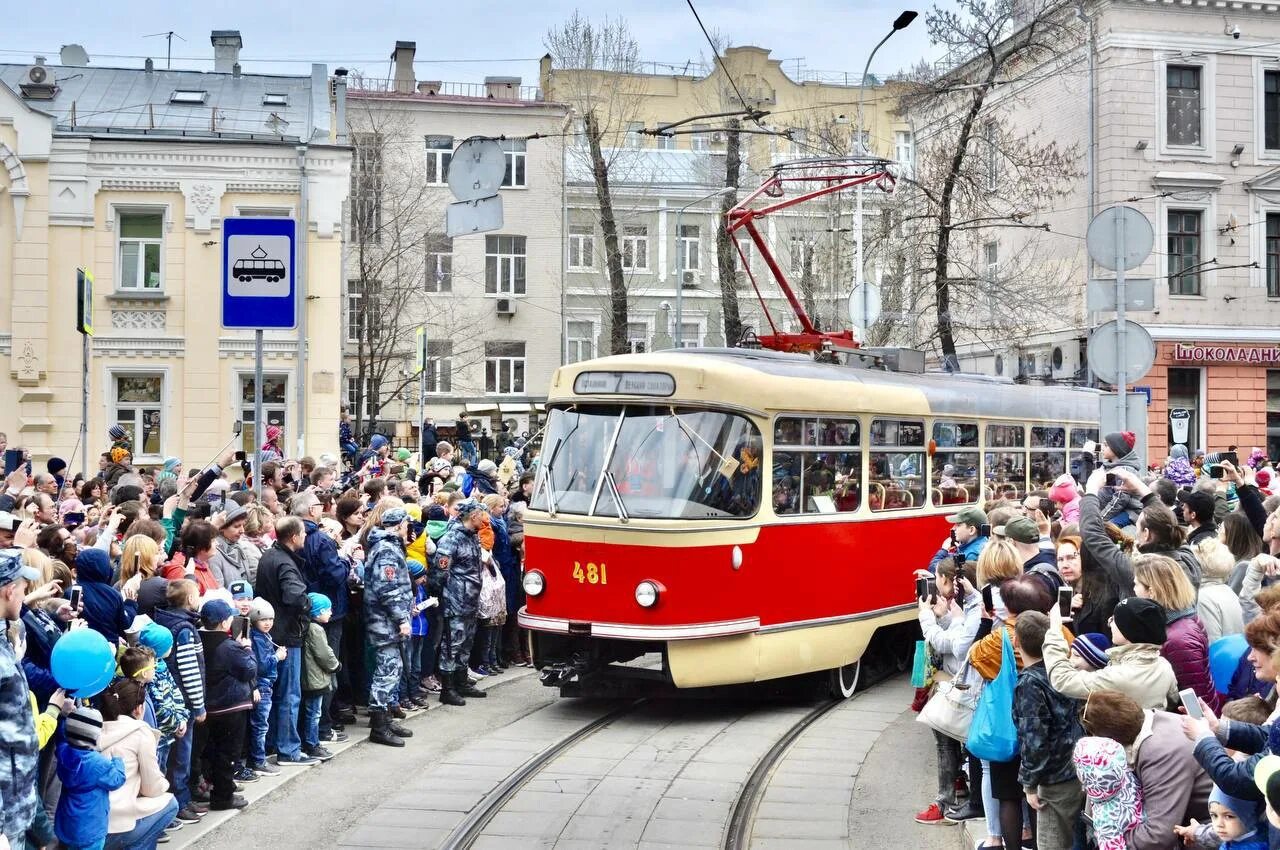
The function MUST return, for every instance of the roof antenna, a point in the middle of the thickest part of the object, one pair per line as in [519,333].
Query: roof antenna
[168,54]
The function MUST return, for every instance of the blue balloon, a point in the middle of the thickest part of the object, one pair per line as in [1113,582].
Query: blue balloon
[83,663]
[1224,657]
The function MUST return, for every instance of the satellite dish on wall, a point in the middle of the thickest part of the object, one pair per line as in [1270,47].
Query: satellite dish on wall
[476,169]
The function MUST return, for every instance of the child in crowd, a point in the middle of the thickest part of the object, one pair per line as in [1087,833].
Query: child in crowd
[171,712]
[1089,651]
[412,691]
[231,674]
[88,778]
[1235,824]
[241,597]
[1113,793]
[180,618]
[1048,728]
[318,666]
[139,664]
[268,657]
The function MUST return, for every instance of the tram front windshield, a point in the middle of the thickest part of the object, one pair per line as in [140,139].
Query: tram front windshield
[647,461]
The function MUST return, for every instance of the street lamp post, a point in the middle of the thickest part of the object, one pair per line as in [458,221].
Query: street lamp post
[679,279]
[901,22]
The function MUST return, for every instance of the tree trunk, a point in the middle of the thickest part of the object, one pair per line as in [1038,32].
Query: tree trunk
[618,312]
[725,248]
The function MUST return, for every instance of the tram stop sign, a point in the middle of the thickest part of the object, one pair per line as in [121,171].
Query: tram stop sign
[258,260]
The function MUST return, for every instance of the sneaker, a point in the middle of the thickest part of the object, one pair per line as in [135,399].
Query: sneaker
[265,768]
[477,673]
[432,684]
[245,774]
[931,816]
[163,839]
[337,736]
[968,811]
[198,808]
[318,753]
[236,802]
[174,825]
[302,760]
[187,815]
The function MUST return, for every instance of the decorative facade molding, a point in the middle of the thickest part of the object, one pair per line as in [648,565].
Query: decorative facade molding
[140,346]
[141,320]
[202,204]
[126,184]
[273,188]
[272,349]
[18,188]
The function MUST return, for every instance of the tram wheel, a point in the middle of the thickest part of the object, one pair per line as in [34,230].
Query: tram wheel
[843,682]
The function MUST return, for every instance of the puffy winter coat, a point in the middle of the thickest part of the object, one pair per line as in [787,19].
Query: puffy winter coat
[264,654]
[88,778]
[388,592]
[188,654]
[324,569]
[1135,670]
[145,791]
[103,604]
[1187,648]
[458,556]
[1219,610]
[318,661]
[43,631]
[231,673]
[171,711]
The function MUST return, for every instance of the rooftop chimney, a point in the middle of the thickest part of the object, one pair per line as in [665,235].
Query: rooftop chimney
[502,88]
[431,87]
[149,65]
[403,56]
[226,50]
[73,54]
[340,105]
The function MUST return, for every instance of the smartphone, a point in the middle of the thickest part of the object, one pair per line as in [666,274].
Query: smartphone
[1064,602]
[922,588]
[1191,703]
[12,460]
[73,519]
[74,596]
[240,456]
[1232,458]
[1216,471]
[237,427]
[988,598]
[954,542]
[240,628]
[1113,480]
[931,589]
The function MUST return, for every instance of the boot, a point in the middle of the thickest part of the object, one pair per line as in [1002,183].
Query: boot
[381,733]
[463,685]
[395,728]
[449,696]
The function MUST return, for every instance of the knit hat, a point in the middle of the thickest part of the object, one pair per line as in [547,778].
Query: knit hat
[1263,477]
[437,513]
[319,604]
[377,441]
[235,513]
[241,589]
[261,610]
[394,517]
[156,638]
[82,727]
[1063,489]
[416,569]
[273,433]
[55,465]
[1121,442]
[402,455]
[215,611]
[1110,786]
[466,509]
[488,466]
[117,433]
[1140,620]
[1092,647]
[1020,529]
[1250,812]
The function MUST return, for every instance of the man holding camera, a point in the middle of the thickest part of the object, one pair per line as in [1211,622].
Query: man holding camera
[969,534]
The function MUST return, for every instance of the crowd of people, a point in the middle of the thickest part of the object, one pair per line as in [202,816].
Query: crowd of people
[1141,611]
[171,634]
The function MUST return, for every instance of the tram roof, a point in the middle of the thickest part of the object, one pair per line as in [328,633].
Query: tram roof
[771,380]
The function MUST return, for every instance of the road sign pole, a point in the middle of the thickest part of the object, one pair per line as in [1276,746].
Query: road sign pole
[1122,379]
[84,407]
[422,394]
[259,430]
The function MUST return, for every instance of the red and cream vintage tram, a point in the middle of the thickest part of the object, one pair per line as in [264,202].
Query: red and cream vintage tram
[752,514]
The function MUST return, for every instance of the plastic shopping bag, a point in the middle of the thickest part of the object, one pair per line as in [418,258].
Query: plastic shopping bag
[992,735]
[920,665]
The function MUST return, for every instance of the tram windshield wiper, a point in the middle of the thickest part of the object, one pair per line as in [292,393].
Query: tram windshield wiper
[617,496]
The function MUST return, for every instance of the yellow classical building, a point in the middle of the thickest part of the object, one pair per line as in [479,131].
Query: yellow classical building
[128,173]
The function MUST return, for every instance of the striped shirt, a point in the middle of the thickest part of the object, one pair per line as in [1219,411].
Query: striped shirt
[190,671]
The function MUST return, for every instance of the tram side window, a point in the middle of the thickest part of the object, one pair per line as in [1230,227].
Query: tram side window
[1006,475]
[898,468]
[1047,465]
[813,469]
[1079,436]
[955,473]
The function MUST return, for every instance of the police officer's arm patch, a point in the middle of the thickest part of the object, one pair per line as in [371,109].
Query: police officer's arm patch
[443,562]
[389,573]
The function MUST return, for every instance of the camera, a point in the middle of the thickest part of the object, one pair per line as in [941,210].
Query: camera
[1235,33]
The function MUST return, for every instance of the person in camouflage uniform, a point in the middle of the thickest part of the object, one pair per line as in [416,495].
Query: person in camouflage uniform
[388,595]
[19,749]
[458,557]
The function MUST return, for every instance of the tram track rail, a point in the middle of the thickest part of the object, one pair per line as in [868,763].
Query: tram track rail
[466,833]
[737,835]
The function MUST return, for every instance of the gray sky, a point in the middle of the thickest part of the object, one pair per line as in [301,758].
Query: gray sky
[506,39]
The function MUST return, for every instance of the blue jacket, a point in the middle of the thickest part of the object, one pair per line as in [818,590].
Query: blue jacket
[104,609]
[264,653]
[419,624]
[188,654]
[231,674]
[42,634]
[970,550]
[324,569]
[508,563]
[88,778]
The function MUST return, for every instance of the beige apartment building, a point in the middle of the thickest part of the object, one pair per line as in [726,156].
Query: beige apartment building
[1186,100]
[490,302]
[128,173]
[666,221]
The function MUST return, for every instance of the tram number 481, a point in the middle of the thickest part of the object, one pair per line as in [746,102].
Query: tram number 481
[593,574]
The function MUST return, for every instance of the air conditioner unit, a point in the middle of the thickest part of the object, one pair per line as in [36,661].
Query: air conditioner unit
[1064,358]
[506,306]
[689,279]
[38,82]
[717,137]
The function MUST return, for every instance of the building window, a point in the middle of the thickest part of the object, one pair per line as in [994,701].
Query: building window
[370,396]
[1183,105]
[366,188]
[904,149]
[1184,252]
[275,390]
[747,248]
[439,365]
[515,177]
[638,337]
[140,409]
[689,335]
[1273,413]
[504,368]
[634,137]
[1271,110]
[439,152]
[355,315]
[991,259]
[439,263]
[799,141]
[635,248]
[189,96]
[700,139]
[991,143]
[582,248]
[504,265]
[1273,255]
[1184,392]
[689,248]
[140,246]
[801,255]
[580,341]
[665,143]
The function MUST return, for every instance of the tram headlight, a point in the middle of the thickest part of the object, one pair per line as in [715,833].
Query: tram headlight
[647,594]
[534,583]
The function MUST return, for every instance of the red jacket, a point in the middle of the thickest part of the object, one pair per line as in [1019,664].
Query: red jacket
[1187,649]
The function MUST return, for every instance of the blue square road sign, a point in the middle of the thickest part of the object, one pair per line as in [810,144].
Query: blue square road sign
[259,288]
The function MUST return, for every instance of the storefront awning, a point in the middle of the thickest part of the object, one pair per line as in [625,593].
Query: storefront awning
[515,408]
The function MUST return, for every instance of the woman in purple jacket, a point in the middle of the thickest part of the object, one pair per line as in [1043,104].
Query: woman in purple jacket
[1160,579]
